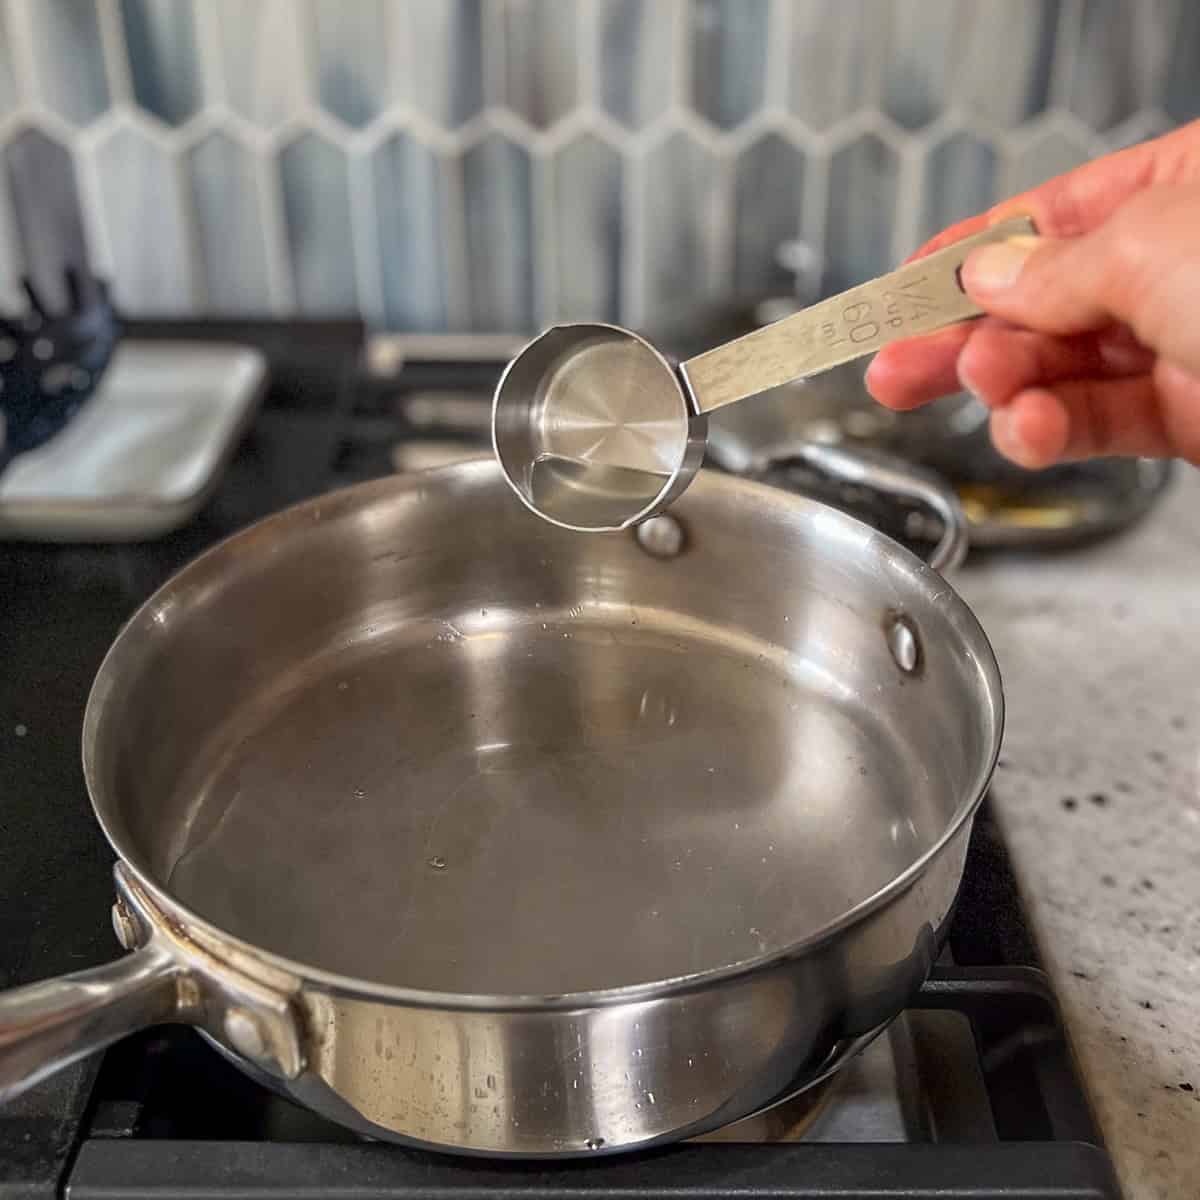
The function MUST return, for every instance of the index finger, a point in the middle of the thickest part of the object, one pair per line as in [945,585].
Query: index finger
[1079,200]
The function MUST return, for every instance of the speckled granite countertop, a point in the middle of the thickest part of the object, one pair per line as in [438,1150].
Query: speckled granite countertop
[1099,796]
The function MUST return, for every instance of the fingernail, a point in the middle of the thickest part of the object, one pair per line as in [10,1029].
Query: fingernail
[998,266]
[1004,431]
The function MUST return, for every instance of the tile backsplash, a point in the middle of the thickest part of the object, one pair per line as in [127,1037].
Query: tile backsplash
[495,164]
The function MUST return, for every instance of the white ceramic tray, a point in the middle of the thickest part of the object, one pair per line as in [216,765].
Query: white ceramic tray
[144,452]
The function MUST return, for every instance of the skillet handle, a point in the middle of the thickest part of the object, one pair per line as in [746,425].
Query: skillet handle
[47,1026]
[888,476]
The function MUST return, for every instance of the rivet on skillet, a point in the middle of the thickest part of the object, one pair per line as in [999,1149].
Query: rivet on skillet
[661,537]
[245,1033]
[124,926]
[903,642]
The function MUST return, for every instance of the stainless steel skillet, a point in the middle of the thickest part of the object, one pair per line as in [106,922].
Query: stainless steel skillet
[475,834]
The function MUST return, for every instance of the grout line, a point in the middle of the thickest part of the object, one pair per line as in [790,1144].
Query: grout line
[214,87]
[587,35]
[20,27]
[454,243]
[634,267]
[115,50]
[102,259]
[779,44]
[544,248]
[281,286]
[364,238]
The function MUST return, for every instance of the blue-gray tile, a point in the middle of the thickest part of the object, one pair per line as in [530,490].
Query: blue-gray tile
[261,59]
[637,55]
[410,207]
[1049,154]
[679,232]
[863,186]
[768,196]
[152,257]
[445,57]
[541,69]
[959,180]
[164,63]
[587,228]
[228,213]
[1122,50]
[316,203]
[920,63]
[350,48]
[1008,58]
[1182,99]
[497,200]
[68,59]
[837,48]
[729,58]
[45,200]
[8,82]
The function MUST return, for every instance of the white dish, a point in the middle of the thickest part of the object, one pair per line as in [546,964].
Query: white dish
[145,451]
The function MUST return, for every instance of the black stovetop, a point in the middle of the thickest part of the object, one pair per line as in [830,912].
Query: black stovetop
[163,1115]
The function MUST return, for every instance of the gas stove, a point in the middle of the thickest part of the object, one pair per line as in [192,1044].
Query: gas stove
[972,1092]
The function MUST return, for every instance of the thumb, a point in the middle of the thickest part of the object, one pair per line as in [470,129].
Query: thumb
[1140,268]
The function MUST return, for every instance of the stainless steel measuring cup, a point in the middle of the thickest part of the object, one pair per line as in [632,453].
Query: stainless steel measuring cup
[595,430]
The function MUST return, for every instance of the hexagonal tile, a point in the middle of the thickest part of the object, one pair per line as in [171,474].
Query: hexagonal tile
[261,65]
[316,204]
[680,232]
[1182,98]
[837,48]
[1007,61]
[919,66]
[350,49]
[1050,153]
[586,231]
[152,259]
[728,47]
[1121,50]
[500,268]
[636,55]
[164,58]
[410,208]
[64,36]
[46,211]
[863,186]
[958,181]
[227,207]
[445,59]
[768,194]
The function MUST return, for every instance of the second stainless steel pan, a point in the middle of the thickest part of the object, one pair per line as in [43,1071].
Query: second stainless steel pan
[475,834]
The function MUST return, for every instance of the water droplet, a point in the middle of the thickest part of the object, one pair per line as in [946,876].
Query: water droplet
[483,612]
[437,862]
[20,731]
[359,793]
[574,1085]
[594,1143]
[691,1062]
[343,686]
[638,1052]
[650,1098]
[637,1106]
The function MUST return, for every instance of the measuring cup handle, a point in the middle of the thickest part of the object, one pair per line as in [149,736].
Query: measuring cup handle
[889,477]
[917,298]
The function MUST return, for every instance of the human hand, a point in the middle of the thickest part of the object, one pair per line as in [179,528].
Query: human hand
[1091,342]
